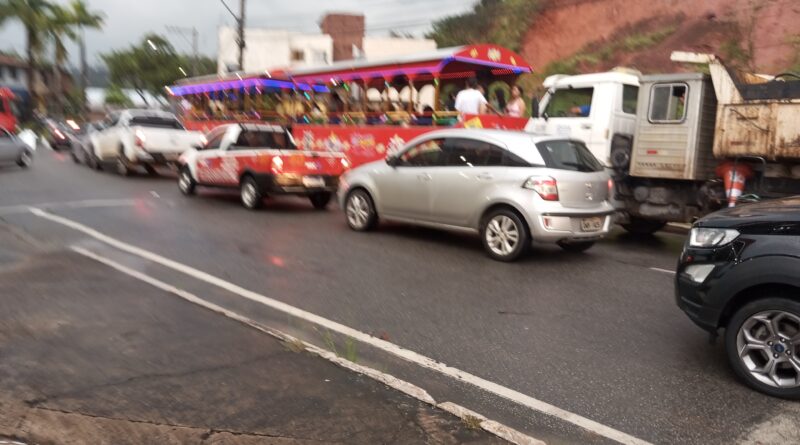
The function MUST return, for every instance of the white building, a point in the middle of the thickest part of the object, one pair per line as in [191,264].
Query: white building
[342,39]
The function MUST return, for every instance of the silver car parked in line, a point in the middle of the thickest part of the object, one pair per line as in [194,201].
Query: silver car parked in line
[13,149]
[510,187]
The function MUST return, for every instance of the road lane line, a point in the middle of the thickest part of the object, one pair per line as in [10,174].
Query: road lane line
[406,354]
[87,203]
[658,269]
[491,426]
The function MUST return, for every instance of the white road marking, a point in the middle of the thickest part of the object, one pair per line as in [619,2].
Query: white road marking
[406,354]
[658,269]
[410,389]
[87,203]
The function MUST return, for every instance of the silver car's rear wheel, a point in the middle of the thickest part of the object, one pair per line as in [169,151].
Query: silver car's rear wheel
[25,159]
[767,344]
[505,236]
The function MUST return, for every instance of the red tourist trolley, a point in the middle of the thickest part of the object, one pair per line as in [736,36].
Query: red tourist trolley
[363,109]
[7,119]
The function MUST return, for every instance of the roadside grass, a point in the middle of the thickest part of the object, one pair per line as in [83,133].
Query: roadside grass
[471,422]
[349,348]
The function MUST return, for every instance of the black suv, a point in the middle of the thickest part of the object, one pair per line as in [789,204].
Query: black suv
[740,270]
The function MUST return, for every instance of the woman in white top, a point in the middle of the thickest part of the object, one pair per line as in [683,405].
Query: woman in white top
[516,105]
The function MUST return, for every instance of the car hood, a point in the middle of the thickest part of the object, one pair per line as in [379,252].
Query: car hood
[765,212]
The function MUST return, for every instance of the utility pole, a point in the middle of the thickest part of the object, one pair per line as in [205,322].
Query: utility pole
[183,31]
[240,20]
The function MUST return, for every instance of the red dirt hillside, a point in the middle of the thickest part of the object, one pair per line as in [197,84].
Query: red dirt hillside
[594,35]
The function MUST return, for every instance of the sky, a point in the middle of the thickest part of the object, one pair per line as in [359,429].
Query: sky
[127,20]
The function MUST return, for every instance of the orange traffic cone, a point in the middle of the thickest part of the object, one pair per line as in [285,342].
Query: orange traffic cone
[735,175]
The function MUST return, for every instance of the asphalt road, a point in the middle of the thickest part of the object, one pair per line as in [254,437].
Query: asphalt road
[596,334]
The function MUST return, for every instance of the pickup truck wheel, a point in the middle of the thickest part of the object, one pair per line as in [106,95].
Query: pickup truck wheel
[186,183]
[122,166]
[251,196]
[575,246]
[91,159]
[320,200]
[360,211]
[762,342]
[150,170]
[639,226]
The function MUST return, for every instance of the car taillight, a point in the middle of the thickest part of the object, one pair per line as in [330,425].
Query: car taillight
[277,164]
[59,134]
[545,186]
[610,187]
[139,138]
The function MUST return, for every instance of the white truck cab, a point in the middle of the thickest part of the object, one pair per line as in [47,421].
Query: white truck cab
[598,108]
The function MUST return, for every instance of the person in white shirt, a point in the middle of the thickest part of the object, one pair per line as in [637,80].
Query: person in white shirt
[470,100]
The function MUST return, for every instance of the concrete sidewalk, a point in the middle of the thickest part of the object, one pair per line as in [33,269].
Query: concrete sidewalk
[91,356]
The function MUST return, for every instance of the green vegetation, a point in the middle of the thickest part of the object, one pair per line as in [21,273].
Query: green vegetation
[795,42]
[734,54]
[116,97]
[586,57]
[502,22]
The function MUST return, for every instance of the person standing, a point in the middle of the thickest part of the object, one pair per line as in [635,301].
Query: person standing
[516,106]
[470,100]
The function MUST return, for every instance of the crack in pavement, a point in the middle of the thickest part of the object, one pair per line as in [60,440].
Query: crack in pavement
[206,432]
[37,402]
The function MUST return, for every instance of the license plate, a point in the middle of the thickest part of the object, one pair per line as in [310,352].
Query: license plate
[594,224]
[313,181]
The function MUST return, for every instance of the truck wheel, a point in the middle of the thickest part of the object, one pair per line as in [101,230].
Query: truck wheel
[640,226]
[762,342]
[186,183]
[252,198]
[320,200]
[505,236]
[91,160]
[150,170]
[575,246]
[620,152]
[122,166]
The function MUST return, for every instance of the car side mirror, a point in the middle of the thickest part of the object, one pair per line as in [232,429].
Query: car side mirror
[393,161]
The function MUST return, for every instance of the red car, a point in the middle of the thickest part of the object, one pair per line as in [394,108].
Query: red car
[260,160]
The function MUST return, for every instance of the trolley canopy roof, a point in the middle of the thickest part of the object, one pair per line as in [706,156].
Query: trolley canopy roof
[446,63]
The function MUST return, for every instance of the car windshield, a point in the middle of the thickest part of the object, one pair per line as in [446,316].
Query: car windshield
[268,139]
[156,122]
[568,155]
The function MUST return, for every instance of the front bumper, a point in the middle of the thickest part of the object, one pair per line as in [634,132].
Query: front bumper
[703,297]
[156,158]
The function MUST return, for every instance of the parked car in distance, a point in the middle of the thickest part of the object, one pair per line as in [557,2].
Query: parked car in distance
[740,271]
[81,143]
[260,160]
[510,187]
[58,135]
[14,150]
[146,138]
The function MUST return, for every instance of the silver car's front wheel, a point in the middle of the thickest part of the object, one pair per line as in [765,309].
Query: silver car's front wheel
[360,211]
[25,159]
[505,235]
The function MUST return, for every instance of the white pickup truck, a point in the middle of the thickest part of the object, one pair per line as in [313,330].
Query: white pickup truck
[147,138]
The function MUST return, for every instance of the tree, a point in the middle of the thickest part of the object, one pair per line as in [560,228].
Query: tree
[503,22]
[60,27]
[116,97]
[33,15]
[84,18]
[151,65]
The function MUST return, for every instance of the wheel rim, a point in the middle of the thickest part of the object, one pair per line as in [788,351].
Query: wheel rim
[184,182]
[25,157]
[768,344]
[357,211]
[502,235]
[249,194]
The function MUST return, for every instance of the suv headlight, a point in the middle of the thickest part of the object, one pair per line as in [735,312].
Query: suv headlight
[708,237]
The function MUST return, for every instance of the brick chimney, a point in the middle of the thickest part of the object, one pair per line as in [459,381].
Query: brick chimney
[346,30]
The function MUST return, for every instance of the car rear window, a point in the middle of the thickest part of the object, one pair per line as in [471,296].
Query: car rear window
[265,139]
[568,155]
[156,122]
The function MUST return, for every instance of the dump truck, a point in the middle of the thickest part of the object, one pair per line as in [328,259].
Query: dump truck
[696,142]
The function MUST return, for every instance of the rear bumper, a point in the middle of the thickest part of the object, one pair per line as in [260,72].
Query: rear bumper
[566,224]
[156,158]
[296,184]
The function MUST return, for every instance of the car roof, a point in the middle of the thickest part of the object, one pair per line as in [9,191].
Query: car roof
[505,136]
[134,112]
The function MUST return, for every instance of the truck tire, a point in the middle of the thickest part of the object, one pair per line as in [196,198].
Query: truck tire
[320,200]
[251,196]
[621,149]
[640,226]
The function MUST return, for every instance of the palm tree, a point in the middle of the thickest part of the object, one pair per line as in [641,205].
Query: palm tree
[33,14]
[84,18]
[61,25]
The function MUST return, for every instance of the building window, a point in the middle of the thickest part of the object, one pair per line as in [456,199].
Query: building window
[298,55]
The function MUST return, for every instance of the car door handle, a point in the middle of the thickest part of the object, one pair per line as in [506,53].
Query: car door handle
[485,176]
[586,126]
[424,177]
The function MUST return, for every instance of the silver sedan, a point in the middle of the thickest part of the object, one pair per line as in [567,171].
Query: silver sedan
[13,149]
[510,187]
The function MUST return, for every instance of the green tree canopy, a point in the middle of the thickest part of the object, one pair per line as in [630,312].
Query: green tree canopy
[502,22]
[116,97]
